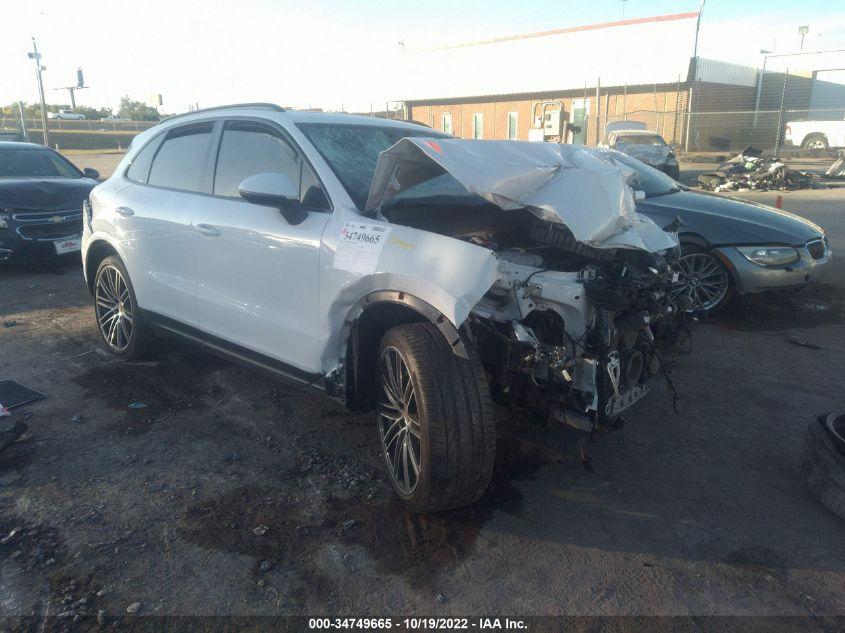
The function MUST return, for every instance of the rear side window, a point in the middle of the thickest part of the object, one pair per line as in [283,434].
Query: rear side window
[248,148]
[181,160]
[139,168]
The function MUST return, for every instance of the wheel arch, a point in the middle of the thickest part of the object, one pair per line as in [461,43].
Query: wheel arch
[97,251]
[367,323]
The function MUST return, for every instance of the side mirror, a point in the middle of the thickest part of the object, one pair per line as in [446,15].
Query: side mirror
[273,189]
[89,172]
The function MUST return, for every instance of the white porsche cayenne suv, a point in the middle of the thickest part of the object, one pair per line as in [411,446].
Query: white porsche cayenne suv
[396,269]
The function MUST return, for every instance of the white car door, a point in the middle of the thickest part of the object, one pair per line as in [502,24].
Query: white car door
[258,272]
[154,217]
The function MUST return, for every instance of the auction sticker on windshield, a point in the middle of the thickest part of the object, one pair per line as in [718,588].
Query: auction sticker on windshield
[359,247]
[67,246]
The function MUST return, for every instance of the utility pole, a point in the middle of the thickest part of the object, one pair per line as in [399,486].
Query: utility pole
[36,56]
[697,28]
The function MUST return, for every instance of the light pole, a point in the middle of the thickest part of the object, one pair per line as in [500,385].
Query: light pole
[36,56]
[765,55]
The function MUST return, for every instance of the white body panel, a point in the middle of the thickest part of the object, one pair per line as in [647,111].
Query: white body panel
[833,131]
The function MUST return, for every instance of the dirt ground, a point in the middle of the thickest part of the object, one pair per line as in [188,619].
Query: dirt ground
[232,494]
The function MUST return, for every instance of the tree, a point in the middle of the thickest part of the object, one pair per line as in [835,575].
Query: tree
[137,110]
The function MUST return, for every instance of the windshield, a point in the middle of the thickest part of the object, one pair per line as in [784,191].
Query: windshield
[641,139]
[352,151]
[34,163]
[646,178]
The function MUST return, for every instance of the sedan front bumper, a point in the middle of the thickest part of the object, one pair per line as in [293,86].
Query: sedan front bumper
[751,278]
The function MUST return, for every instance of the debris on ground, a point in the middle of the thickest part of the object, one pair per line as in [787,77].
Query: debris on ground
[837,169]
[800,343]
[11,323]
[261,530]
[77,419]
[138,405]
[13,394]
[441,599]
[751,171]
[12,434]
[135,607]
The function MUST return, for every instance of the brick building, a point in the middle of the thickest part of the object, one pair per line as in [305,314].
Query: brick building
[566,84]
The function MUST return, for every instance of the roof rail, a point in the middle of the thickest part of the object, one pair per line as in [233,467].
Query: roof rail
[258,105]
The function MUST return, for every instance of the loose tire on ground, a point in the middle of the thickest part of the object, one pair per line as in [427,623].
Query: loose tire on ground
[447,419]
[132,340]
[824,466]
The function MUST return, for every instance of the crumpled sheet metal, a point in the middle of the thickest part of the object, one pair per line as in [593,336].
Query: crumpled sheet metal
[571,185]
[751,171]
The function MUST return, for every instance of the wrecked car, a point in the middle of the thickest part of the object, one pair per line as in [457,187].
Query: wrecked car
[398,270]
[634,139]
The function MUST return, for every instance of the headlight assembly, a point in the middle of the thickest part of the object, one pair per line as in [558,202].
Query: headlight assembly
[769,255]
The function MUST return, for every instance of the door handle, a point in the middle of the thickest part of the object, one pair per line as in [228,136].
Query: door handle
[124,211]
[208,230]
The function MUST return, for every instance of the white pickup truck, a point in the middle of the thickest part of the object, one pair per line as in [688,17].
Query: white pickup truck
[815,135]
[66,115]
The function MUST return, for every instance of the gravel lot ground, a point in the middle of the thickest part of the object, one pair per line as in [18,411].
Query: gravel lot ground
[232,494]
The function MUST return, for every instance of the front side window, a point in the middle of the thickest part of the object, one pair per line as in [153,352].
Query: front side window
[34,163]
[512,126]
[478,125]
[447,122]
[248,148]
[181,160]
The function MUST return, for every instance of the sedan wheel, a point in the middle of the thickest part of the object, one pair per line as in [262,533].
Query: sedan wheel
[398,419]
[114,308]
[706,278]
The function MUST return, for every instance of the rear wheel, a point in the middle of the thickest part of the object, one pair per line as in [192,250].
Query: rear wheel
[434,418]
[707,278]
[118,318]
[815,143]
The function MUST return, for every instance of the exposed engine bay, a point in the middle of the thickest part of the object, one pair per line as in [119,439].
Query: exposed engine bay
[567,332]
[584,308]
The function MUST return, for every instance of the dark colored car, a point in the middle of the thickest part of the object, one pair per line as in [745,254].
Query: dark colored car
[41,195]
[730,245]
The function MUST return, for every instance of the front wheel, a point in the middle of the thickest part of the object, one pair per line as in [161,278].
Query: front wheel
[434,418]
[706,277]
[815,143]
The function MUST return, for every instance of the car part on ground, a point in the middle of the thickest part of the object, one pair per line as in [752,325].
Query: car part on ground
[837,169]
[823,460]
[751,171]
[522,266]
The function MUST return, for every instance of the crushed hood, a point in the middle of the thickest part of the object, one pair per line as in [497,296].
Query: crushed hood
[565,184]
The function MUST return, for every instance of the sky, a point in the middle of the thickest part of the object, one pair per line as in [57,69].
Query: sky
[329,53]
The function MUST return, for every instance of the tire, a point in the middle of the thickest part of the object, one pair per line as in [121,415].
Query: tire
[824,467]
[815,142]
[692,257]
[445,426]
[120,322]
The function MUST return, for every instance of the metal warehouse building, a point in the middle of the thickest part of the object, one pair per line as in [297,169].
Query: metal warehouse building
[566,84]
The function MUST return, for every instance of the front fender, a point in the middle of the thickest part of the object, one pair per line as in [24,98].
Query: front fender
[447,274]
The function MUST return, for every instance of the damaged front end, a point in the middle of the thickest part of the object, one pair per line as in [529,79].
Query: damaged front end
[585,307]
